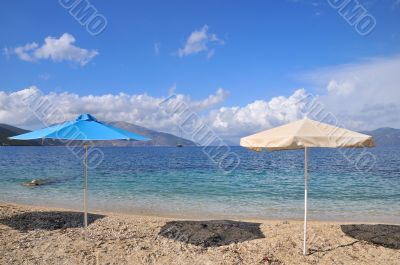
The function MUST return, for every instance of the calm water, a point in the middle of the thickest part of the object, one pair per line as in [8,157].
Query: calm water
[183,181]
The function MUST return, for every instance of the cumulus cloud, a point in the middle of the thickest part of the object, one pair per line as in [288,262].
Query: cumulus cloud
[200,41]
[23,51]
[363,95]
[57,50]
[233,122]
[30,108]
[22,108]
[211,100]
[13,109]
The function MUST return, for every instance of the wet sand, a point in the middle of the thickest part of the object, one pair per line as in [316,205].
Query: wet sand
[42,235]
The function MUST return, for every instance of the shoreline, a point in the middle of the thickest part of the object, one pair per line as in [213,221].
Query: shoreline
[187,216]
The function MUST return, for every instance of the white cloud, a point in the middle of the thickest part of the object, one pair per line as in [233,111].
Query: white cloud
[363,95]
[6,52]
[57,50]
[210,54]
[199,41]
[171,90]
[44,76]
[23,51]
[140,109]
[233,122]
[13,109]
[343,88]
[156,47]
[144,110]
[211,100]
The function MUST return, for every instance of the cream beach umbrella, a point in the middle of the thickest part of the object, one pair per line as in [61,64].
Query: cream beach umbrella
[304,134]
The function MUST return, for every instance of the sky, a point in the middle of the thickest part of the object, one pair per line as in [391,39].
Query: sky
[242,66]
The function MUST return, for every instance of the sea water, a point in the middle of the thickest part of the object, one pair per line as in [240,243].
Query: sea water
[186,182]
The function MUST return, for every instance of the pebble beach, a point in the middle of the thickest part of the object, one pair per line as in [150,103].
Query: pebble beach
[42,235]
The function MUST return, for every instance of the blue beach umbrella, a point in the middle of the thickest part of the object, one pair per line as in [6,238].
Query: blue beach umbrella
[85,128]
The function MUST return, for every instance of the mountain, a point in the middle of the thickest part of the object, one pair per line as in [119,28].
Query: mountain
[385,136]
[157,138]
[8,131]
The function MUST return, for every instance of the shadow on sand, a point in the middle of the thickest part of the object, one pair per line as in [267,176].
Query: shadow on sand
[211,233]
[50,220]
[387,236]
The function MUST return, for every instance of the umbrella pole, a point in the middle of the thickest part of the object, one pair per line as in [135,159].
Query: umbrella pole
[305,199]
[85,196]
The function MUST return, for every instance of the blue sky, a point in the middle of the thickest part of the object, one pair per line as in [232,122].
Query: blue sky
[256,50]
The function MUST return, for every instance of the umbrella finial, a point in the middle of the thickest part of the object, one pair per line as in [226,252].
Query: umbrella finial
[86,117]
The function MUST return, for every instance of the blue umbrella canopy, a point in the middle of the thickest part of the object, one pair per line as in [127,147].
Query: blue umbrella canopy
[84,128]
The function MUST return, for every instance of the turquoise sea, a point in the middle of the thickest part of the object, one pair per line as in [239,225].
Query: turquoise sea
[185,182]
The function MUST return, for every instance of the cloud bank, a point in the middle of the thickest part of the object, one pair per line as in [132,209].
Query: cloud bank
[16,108]
[57,50]
[145,110]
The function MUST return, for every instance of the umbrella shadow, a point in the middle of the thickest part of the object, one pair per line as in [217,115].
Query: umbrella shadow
[211,233]
[49,220]
[387,236]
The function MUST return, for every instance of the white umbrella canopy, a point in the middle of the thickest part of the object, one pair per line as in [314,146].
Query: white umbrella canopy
[303,134]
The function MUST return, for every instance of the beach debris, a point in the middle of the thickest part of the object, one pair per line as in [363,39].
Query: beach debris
[265,259]
[270,261]
[35,182]
[47,181]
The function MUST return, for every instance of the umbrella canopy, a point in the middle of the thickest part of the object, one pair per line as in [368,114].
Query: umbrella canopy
[83,128]
[303,134]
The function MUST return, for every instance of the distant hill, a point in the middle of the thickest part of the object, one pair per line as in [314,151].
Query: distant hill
[9,131]
[158,138]
[385,136]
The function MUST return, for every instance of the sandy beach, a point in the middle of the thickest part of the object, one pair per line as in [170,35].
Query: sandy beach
[41,235]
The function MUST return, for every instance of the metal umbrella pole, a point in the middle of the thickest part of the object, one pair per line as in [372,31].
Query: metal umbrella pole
[85,195]
[305,199]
